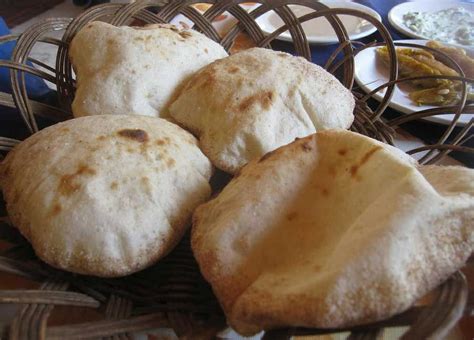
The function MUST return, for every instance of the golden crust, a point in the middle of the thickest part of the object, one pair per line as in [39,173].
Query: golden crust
[332,230]
[105,195]
[255,101]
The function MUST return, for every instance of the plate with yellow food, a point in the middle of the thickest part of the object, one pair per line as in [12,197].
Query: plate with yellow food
[372,70]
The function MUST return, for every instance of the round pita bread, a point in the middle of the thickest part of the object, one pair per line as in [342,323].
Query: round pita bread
[135,70]
[105,195]
[255,101]
[333,230]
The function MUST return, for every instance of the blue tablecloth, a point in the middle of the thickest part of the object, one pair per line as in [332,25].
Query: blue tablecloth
[36,86]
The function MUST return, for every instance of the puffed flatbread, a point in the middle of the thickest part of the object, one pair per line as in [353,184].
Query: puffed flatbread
[333,230]
[135,70]
[105,195]
[255,101]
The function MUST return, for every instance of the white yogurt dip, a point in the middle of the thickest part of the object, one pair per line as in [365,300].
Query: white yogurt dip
[452,25]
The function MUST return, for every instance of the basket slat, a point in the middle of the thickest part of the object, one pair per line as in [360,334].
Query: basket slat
[48,297]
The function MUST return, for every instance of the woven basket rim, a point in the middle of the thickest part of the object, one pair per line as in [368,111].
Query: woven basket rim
[124,310]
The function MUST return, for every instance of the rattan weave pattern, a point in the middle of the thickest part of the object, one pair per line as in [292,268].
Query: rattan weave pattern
[173,294]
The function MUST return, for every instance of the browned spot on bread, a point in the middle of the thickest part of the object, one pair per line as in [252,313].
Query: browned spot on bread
[208,78]
[291,216]
[191,140]
[317,267]
[85,170]
[163,141]
[146,184]
[68,183]
[114,185]
[325,192]
[110,41]
[369,154]
[185,34]
[264,98]
[137,135]
[206,50]
[355,168]
[170,162]
[342,152]
[306,147]
[144,147]
[102,137]
[233,69]
[56,209]
[130,150]
[292,91]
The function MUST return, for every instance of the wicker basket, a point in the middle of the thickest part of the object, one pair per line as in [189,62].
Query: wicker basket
[173,294]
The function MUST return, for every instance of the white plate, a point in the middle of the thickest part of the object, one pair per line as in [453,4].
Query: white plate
[371,73]
[223,23]
[320,31]
[395,16]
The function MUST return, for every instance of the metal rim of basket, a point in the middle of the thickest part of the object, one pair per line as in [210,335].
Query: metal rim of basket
[37,305]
